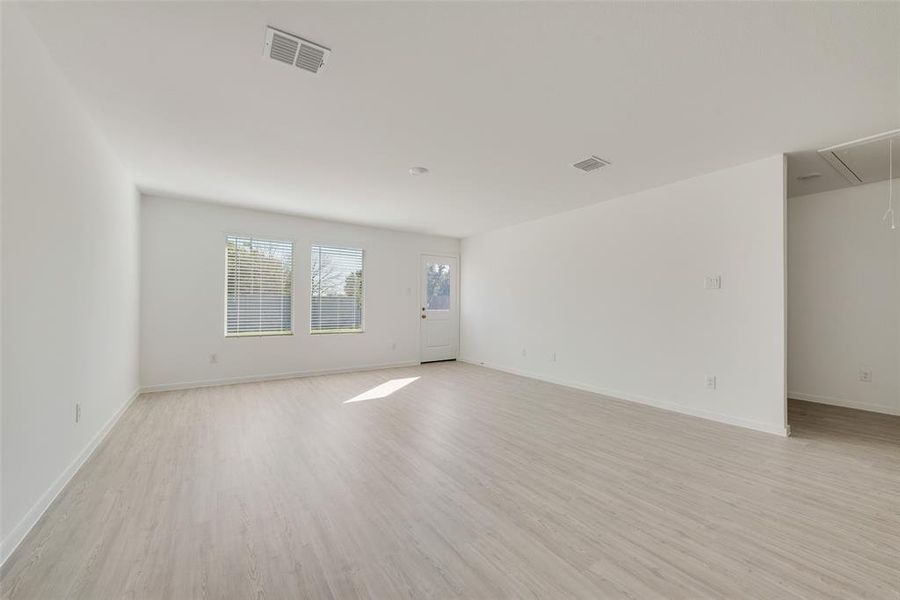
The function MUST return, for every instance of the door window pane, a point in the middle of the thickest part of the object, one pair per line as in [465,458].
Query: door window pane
[437,287]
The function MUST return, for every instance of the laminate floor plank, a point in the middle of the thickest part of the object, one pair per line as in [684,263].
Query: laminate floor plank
[466,483]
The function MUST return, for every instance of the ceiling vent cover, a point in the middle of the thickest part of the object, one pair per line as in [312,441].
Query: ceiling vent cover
[591,164]
[293,50]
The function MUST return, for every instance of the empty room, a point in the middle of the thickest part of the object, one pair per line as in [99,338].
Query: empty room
[450,300]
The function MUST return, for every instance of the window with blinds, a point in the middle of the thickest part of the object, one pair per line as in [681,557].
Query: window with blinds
[258,290]
[336,290]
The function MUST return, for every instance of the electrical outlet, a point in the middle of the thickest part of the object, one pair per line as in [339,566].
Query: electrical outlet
[553,357]
[524,352]
[77,412]
[865,375]
[394,346]
[213,359]
[713,282]
[710,382]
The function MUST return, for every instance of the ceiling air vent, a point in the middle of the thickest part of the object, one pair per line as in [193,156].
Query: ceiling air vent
[591,164]
[295,51]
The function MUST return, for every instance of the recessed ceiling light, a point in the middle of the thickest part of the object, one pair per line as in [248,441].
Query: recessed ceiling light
[809,176]
[418,171]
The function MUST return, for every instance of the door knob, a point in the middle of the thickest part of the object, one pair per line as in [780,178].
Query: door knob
[423,316]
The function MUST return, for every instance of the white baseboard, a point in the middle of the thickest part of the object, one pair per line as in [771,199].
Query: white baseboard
[187,385]
[877,408]
[773,428]
[9,544]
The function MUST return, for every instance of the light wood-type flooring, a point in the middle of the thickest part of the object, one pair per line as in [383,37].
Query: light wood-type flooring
[466,483]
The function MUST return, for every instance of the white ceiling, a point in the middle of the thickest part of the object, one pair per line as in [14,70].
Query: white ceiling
[497,99]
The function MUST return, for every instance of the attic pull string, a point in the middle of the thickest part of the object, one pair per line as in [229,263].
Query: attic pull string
[890,210]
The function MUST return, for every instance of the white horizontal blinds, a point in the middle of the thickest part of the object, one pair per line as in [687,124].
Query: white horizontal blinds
[336,290]
[258,288]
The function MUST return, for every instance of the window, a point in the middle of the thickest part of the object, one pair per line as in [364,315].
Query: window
[437,287]
[259,275]
[336,290]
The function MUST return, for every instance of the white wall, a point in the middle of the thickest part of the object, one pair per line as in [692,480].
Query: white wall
[844,298]
[70,282]
[616,290]
[183,287]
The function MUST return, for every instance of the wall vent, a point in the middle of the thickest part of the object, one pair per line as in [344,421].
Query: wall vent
[293,50]
[591,164]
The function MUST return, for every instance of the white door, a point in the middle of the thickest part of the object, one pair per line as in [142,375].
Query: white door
[439,295]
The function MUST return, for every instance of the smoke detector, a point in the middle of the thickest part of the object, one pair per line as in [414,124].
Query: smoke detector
[591,164]
[293,50]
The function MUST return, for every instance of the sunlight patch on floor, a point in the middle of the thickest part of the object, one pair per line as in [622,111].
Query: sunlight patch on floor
[382,391]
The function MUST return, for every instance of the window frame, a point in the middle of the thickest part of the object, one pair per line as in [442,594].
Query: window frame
[363,313]
[259,334]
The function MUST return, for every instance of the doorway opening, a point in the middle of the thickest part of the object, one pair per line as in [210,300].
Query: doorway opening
[843,283]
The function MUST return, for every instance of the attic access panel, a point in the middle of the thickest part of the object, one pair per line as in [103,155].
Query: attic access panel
[865,160]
